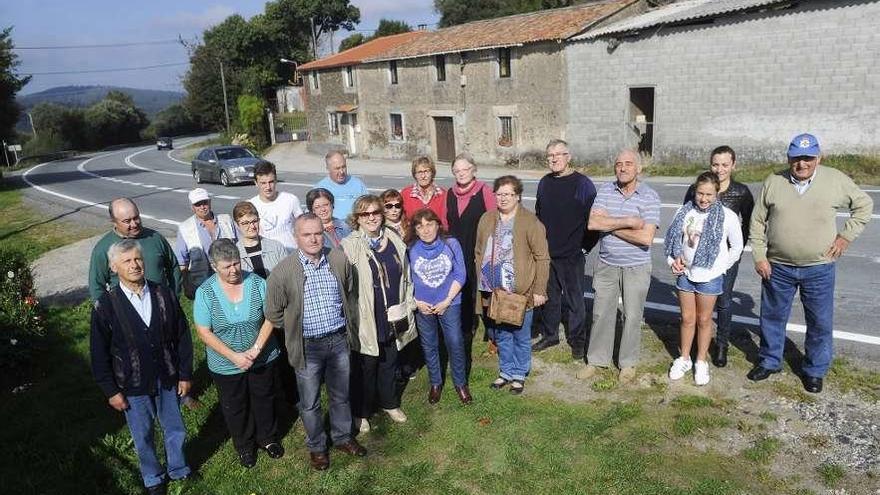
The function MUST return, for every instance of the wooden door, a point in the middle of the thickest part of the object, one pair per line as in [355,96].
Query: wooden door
[445,139]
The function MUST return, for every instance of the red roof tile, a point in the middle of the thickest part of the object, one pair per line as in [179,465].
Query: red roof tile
[543,25]
[358,54]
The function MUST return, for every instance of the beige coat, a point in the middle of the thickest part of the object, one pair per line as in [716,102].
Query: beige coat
[531,258]
[357,249]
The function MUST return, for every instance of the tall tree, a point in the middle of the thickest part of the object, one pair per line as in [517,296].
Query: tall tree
[10,85]
[352,41]
[388,27]
[454,12]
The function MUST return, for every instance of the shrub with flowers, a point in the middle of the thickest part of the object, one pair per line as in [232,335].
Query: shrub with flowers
[21,318]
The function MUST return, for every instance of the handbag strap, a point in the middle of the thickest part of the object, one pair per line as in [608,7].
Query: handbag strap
[381,278]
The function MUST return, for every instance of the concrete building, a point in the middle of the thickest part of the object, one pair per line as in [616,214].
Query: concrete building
[496,88]
[681,79]
[331,93]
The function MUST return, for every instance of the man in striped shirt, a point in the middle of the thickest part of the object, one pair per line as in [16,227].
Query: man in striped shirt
[627,211]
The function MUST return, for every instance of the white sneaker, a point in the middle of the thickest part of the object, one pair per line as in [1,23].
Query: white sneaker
[363,424]
[396,415]
[701,373]
[679,367]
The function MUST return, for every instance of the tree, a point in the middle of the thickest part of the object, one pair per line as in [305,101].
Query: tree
[111,121]
[172,121]
[251,119]
[352,41]
[10,85]
[388,27]
[67,124]
[454,12]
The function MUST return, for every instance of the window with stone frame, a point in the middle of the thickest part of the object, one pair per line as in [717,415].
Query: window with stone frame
[504,62]
[505,135]
[397,127]
[333,123]
[392,71]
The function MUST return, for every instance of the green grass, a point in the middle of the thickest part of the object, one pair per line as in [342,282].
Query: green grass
[863,169]
[832,474]
[29,231]
[72,442]
[762,450]
[849,378]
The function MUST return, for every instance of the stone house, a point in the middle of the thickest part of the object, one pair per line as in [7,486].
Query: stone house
[331,88]
[679,80]
[496,88]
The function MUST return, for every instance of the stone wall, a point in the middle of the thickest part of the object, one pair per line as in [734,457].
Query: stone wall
[751,81]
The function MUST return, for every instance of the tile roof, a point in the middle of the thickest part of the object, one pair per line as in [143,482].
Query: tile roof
[678,12]
[358,54]
[543,25]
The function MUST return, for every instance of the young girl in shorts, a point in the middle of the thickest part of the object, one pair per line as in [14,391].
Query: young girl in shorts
[703,241]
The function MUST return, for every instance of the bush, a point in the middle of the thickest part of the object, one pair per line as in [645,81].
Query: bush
[45,144]
[21,319]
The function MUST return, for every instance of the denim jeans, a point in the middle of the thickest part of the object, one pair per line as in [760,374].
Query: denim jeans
[565,299]
[429,334]
[141,415]
[816,285]
[514,347]
[327,361]
[722,306]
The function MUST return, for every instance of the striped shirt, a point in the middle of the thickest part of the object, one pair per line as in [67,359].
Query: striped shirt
[235,324]
[643,203]
[322,302]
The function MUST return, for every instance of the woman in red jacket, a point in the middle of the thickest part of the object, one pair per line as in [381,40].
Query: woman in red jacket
[424,193]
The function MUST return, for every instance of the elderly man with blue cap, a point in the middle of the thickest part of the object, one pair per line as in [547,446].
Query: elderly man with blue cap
[795,243]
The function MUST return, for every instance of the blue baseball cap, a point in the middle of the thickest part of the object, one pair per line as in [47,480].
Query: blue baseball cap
[803,145]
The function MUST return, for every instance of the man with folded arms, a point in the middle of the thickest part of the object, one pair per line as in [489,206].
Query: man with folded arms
[795,243]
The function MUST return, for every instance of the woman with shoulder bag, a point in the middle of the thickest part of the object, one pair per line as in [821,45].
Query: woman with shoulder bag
[385,308]
[513,264]
[438,274]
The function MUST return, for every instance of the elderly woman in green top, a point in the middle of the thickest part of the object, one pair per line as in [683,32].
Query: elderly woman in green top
[228,313]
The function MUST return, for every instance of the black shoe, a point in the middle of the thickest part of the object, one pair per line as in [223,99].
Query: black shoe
[274,450]
[160,489]
[720,357]
[812,384]
[759,373]
[577,355]
[247,459]
[544,343]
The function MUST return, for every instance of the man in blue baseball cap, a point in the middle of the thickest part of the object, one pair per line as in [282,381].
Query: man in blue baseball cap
[796,243]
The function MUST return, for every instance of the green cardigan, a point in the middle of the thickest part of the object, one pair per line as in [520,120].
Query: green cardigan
[160,263]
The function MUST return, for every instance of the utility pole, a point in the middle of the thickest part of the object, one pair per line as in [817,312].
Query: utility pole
[33,129]
[225,104]
[6,154]
[314,39]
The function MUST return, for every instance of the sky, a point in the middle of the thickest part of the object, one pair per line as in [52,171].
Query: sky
[149,26]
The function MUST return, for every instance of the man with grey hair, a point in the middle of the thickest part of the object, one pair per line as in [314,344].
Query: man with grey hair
[159,260]
[141,356]
[311,294]
[345,188]
[627,212]
[564,199]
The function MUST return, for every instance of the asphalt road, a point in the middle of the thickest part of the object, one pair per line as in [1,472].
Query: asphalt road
[159,183]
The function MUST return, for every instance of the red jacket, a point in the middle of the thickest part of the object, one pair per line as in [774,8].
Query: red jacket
[412,204]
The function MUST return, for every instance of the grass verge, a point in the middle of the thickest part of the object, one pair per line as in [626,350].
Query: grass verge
[28,230]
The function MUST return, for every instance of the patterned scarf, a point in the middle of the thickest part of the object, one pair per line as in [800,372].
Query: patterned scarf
[710,240]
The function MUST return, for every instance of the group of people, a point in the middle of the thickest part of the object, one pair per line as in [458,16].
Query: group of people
[287,300]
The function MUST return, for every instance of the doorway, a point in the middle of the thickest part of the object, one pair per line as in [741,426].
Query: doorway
[445,134]
[641,118]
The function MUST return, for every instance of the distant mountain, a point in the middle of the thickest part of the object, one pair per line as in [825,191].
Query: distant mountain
[149,100]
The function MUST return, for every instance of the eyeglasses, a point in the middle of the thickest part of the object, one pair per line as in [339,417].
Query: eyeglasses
[373,213]
[393,206]
[249,223]
[505,195]
[551,156]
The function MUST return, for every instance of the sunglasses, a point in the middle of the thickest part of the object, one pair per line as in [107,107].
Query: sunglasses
[389,206]
[365,214]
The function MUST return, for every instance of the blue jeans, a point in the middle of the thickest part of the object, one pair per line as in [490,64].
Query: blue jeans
[327,361]
[722,306]
[429,328]
[514,347]
[816,285]
[141,415]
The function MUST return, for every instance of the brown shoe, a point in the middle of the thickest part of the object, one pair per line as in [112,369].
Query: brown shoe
[434,394]
[352,447]
[464,394]
[319,461]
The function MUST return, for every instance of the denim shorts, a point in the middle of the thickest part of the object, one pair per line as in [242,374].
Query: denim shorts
[713,287]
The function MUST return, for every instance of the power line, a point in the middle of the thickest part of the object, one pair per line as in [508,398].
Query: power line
[121,69]
[103,45]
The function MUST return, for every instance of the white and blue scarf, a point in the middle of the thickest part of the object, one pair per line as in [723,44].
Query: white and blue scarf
[710,241]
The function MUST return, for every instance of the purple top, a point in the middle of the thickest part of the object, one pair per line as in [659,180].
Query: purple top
[434,267]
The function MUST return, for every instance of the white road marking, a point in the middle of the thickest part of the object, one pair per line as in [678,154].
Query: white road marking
[223,196]
[677,185]
[130,163]
[791,327]
[90,204]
